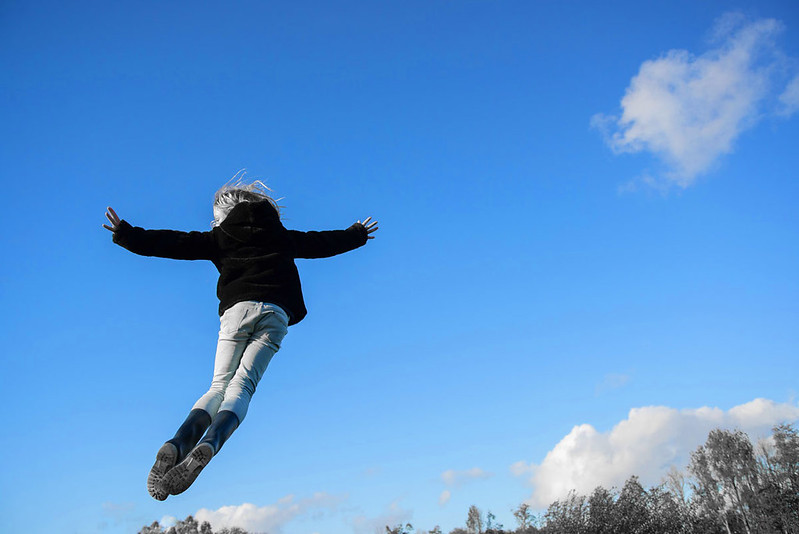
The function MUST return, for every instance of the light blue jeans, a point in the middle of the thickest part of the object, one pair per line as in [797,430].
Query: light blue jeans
[250,333]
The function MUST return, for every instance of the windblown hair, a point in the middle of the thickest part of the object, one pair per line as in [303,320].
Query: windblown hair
[236,191]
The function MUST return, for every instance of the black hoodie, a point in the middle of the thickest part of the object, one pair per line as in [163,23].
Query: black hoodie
[253,252]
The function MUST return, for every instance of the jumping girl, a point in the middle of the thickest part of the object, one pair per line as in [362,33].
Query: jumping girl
[260,297]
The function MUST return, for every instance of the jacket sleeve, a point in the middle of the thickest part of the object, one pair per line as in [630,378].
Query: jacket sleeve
[327,243]
[165,243]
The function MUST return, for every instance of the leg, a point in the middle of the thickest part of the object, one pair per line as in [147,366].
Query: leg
[230,347]
[233,339]
[267,334]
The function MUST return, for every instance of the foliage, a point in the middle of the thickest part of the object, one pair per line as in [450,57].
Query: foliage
[190,526]
[407,528]
[731,487]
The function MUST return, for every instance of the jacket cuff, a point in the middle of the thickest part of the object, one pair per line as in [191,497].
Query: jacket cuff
[362,232]
[122,229]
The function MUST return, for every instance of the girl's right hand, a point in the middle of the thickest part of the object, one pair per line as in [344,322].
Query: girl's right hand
[113,218]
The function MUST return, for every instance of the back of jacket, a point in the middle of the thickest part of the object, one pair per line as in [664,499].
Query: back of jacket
[253,252]
[255,260]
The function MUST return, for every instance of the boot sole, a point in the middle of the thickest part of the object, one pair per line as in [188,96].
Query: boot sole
[183,475]
[165,459]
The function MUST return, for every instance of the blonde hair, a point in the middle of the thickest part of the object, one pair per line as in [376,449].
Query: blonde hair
[236,191]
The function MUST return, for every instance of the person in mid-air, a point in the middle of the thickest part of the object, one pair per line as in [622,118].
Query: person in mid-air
[260,297]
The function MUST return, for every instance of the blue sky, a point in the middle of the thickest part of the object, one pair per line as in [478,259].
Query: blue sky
[587,252]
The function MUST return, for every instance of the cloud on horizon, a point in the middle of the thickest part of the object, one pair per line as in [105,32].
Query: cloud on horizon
[270,518]
[689,110]
[393,515]
[646,444]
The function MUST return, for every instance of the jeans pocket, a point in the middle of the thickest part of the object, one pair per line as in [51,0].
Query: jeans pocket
[271,328]
[232,320]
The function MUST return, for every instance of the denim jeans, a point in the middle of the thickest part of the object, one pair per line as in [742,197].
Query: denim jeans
[250,333]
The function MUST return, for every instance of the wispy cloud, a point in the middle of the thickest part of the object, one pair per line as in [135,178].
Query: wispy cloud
[789,99]
[270,518]
[610,382]
[455,479]
[646,444]
[390,517]
[688,110]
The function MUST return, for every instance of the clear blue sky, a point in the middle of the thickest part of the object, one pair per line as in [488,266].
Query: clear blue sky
[539,265]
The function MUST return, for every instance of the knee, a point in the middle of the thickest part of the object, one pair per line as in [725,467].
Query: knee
[216,391]
[244,383]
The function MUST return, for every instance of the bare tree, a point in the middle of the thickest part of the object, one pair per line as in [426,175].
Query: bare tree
[474,521]
[407,528]
[524,517]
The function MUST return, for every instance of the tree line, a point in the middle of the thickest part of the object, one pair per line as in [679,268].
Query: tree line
[731,486]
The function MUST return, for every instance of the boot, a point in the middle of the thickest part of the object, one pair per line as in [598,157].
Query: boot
[183,475]
[175,450]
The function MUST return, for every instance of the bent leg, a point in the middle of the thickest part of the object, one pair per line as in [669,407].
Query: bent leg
[229,350]
[264,343]
[265,325]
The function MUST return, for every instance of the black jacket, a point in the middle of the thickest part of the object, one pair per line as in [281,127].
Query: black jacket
[253,252]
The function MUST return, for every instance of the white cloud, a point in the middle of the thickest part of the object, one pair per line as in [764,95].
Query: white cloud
[646,444]
[789,99]
[521,468]
[270,518]
[455,478]
[689,110]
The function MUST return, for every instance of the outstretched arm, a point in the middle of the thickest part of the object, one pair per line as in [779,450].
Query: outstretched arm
[332,242]
[161,243]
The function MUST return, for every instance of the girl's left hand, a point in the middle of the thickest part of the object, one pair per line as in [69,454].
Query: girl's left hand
[371,227]
[113,218]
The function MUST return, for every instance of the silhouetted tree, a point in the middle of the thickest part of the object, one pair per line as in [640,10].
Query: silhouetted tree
[492,525]
[190,526]
[601,511]
[525,519]
[726,473]
[567,516]
[187,526]
[778,494]
[474,521]
[407,528]
[154,528]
